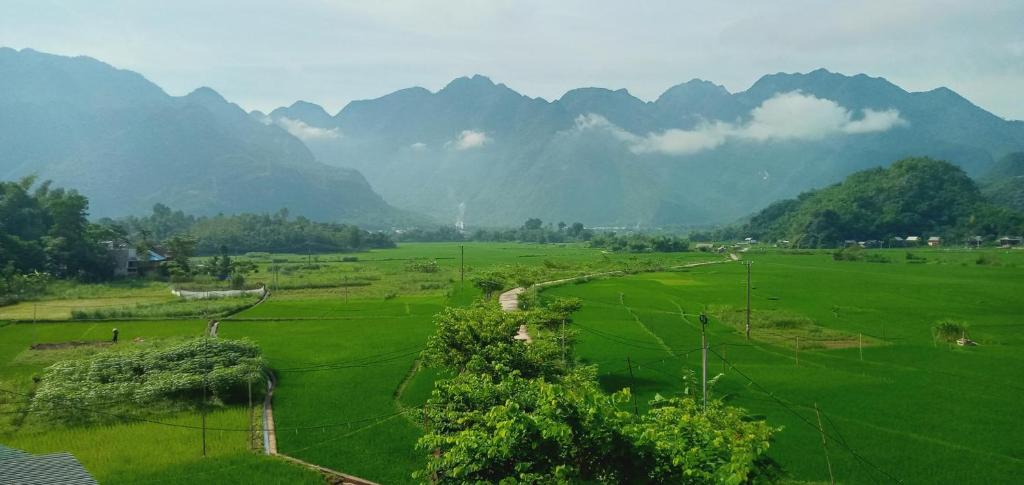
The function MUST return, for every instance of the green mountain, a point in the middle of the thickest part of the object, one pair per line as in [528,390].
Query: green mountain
[479,151]
[912,197]
[1003,184]
[124,143]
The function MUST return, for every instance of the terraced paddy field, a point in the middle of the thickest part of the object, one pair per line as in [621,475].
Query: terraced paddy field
[895,403]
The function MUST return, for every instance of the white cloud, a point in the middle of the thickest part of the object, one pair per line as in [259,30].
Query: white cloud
[785,116]
[302,131]
[684,142]
[418,146]
[875,121]
[596,122]
[469,139]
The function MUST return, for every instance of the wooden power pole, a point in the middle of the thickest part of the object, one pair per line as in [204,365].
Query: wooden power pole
[704,359]
[748,263]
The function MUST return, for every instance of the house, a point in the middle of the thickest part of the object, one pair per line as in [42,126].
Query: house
[127,261]
[935,241]
[912,240]
[1007,241]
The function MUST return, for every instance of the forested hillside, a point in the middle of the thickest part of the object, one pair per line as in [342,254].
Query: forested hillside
[1003,185]
[914,196]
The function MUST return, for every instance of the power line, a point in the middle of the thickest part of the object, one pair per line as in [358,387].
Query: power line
[186,426]
[789,408]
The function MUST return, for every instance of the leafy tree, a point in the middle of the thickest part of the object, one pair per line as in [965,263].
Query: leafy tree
[489,283]
[479,339]
[533,224]
[519,430]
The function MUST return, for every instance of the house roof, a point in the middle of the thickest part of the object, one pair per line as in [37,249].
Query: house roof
[23,468]
[935,238]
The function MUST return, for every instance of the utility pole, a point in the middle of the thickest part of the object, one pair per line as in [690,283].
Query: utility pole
[824,445]
[204,415]
[632,385]
[747,264]
[565,359]
[462,271]
[704,358]
[252,433]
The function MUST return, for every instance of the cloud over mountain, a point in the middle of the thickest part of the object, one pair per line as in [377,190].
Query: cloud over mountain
[786,116]
[303,131]
[468,139]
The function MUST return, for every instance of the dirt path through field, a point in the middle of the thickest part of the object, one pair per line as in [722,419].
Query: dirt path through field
[509,300]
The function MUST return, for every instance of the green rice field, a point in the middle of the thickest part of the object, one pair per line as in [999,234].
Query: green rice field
[853,338]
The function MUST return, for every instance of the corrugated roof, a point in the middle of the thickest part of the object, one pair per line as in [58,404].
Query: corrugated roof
[18,467]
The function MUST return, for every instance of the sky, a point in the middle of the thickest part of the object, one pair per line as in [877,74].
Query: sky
[264,54]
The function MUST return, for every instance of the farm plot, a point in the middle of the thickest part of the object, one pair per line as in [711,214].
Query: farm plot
[914,408]
[130,451]
[340,368]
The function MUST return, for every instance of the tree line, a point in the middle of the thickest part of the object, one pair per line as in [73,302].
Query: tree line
[45,231]
[242,233]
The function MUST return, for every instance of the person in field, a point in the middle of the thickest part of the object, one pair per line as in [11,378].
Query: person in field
[114,340]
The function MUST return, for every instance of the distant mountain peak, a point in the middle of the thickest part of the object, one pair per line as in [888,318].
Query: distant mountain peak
[476,81]
[693,87]
[205,94]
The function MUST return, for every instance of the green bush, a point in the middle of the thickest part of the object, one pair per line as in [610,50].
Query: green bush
[950,330]
[132,381]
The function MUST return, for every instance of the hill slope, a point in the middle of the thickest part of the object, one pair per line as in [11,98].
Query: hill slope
[127,145]
[914,196]
[696,155]
[1003,184]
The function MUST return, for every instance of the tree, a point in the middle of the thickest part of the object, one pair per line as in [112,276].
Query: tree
[223,266]
[488,283]
[519,430]
[533,224]
[479,340]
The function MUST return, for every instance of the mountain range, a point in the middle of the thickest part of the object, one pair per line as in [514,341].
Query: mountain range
[476,151]
[696,155]
[126,144]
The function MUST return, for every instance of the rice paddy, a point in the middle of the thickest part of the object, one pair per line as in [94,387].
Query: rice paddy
[343,339]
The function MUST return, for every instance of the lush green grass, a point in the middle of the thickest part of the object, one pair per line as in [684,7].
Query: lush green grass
[349,385]
[919,410]
[344,365]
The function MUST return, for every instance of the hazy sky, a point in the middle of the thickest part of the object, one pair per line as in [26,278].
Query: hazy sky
[263,54]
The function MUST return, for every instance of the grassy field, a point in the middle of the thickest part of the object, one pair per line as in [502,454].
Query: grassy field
[343,338]
[912,408]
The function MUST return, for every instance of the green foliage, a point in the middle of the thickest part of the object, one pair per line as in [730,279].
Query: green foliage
[857,253]
[44,229]
[949,330]
[250,232]
[518,430]
[479,340]
[422,266]
[914,196]
[533,230]
[212,307]
[15,287]
[638,243]
[139,378]
[490,282]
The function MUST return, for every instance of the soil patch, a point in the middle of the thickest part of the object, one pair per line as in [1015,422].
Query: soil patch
[69,345]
